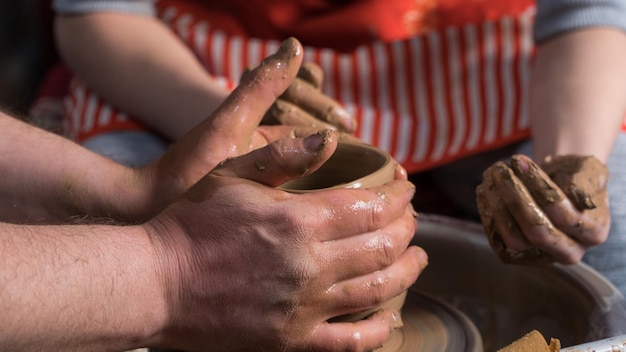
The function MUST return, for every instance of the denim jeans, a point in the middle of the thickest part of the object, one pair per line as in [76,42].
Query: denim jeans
[131,148]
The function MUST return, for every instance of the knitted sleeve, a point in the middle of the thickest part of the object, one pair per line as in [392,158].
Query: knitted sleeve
[68,7]
[557,16]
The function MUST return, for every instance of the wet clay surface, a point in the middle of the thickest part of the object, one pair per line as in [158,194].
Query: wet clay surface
[579,178]
[533,342]
[573,187]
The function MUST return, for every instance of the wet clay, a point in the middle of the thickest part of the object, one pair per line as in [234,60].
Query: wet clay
[581,179]
[533,342]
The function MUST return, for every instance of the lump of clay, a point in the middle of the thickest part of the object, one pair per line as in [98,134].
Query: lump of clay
[533,342]
[578,176]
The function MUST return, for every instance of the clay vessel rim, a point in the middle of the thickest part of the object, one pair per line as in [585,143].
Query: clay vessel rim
[358,182]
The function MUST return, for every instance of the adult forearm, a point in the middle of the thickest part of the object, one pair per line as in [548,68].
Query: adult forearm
[138,65]
[77,288]
[47,178]
[578,93]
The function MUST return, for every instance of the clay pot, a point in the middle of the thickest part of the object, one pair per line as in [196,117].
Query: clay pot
[353,165]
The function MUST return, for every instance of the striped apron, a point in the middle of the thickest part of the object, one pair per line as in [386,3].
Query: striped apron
[446,81]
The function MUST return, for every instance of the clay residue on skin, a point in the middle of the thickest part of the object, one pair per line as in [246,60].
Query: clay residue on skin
[312,74]
[533,342]
[498,220]
[260,166]
[538,185]
[582,178]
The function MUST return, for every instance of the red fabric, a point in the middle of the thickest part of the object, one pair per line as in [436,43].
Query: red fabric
[56,82]
[87,116]
[343,25]
[454,89]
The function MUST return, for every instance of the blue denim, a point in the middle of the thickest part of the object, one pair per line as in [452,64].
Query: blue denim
[131,148]
[610,257]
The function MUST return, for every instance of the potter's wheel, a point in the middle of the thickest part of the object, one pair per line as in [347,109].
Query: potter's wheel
[434,326]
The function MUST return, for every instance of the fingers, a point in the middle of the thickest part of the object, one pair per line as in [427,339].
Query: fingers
[242,111]
[319,105]
[504,234]
[548,195]
[312,74]
[363,335]
[282,160]
[374,288]
[370,251]
[347,212]
[285,113]
[580,177]
[400,172]
[532,214]
[309,72]
[532,221]
[304,104]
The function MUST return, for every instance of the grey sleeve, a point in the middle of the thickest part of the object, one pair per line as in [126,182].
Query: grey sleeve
[557,16]
[69,7]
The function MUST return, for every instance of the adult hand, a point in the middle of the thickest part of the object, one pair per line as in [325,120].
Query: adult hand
[233,129]
[303,103]
[536,215]
[246,266]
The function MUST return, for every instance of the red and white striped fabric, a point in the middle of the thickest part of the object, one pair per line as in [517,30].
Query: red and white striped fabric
[86,115]
[429,98]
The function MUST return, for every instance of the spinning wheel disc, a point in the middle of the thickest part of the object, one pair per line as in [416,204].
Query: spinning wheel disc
[434,326]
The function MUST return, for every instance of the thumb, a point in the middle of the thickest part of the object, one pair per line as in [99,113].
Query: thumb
[281,160]
[239,115]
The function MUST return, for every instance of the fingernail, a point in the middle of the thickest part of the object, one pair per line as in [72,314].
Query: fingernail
[411,190]
[423,258]
[279,106]
[401,171]
[315,142]
[415,214]
[521,164]
[504,172]
[290,44]
[347,121]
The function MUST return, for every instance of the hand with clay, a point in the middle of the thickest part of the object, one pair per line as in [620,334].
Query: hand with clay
[109,190]
[166,87]
[221,136]
[246,266]
[233,264]
[537,215]
[303,103]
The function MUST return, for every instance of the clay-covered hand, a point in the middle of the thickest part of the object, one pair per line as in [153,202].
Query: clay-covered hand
[303,103]
[246,266]
[233,129]
[552,213]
